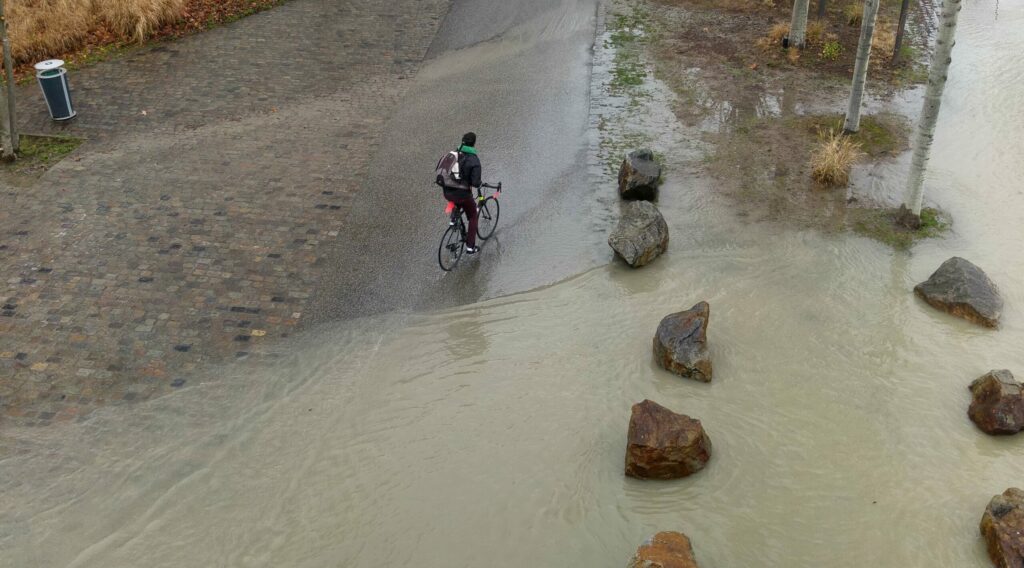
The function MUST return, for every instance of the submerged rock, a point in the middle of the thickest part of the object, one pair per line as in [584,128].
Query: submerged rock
[639,176]
[664,445]
[963,290]
[998,404]
[641,235]
[667,549]
[1002,525]
[681,344]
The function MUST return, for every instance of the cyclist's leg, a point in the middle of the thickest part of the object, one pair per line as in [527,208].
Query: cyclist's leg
[469,206]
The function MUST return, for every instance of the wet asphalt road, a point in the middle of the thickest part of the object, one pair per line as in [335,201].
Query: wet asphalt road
[517,72]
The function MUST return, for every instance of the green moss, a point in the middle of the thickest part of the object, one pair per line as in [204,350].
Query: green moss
[882,225]
[39,153]
[628,37]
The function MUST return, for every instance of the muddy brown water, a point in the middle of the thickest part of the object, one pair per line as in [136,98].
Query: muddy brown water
[493,434]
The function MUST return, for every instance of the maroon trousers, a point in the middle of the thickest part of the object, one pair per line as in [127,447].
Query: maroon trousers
[468,204]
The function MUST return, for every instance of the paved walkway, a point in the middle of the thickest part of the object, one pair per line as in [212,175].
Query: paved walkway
[194,222]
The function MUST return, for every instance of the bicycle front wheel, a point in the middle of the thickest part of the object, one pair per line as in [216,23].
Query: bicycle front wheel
[487,218]
[450,250]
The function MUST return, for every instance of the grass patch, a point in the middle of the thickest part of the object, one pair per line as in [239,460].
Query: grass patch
[40,153]
[833,158]
[878,135]
[882,225]
[628,37]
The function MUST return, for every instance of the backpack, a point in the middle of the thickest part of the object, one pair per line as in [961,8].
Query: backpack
[446,174]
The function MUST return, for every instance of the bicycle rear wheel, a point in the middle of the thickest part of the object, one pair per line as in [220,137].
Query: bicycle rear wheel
[487,218]
[450,250]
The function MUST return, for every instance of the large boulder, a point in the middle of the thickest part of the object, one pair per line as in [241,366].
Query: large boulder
[963,290]
[639,176]
[664,445]
[681,343]
[1002,525]
[667,549]
[998,403]
[642,234]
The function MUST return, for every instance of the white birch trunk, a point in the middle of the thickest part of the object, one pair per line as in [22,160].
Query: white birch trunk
[932,100]
[860,69]
[798,25]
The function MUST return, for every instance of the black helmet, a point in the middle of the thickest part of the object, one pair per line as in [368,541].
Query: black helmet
[469,139]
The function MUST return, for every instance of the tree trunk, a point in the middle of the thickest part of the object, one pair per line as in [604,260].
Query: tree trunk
[932,100]
[10,139]
[821,9]
[798,25]
[860,69]
[904,8]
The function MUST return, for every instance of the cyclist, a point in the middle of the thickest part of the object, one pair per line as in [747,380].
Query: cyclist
[462,197]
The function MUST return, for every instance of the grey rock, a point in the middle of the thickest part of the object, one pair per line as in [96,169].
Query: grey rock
[681,344]
[641,235]
[639,176]
[963,290]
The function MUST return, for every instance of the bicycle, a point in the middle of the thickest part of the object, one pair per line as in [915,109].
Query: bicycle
[453,242]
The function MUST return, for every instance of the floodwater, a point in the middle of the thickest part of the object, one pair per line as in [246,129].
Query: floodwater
[493,434]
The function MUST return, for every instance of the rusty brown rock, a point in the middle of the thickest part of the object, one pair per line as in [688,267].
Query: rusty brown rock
[680,344]
[998,403]
[1002,525]
[667,549]
[664,445]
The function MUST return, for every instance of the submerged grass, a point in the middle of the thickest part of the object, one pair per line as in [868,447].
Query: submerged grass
[879,134]
[883,226]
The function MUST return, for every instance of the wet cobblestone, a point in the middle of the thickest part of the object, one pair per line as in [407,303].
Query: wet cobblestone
[197,230]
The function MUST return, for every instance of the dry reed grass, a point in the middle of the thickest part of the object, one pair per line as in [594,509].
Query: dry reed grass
[136,19]
[41,29]
[815,34]
[854,14]
[883,41]
[834,157]
[773,39]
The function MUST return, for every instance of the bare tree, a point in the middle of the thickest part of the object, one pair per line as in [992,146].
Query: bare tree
[904,8]
[925,132]
[10,139]
[860,68]
[798,25]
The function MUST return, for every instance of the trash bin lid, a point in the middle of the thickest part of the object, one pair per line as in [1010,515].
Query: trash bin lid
[49,64]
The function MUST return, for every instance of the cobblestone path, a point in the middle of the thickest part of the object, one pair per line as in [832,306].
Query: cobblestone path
[193,224]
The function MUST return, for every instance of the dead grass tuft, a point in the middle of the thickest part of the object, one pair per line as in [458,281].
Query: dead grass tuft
[832,160]
[883,42]
[137,19]
[854,14]
[793,55]
[773,39]
[816,32]
[41,29]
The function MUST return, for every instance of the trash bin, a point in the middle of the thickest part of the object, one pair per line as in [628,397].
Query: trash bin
[53,80]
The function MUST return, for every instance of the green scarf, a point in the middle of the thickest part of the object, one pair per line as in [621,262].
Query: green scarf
[467,149]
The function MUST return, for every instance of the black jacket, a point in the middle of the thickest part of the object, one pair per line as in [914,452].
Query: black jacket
[469,170]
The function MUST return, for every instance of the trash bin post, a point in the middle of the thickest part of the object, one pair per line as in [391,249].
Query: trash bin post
[53,80]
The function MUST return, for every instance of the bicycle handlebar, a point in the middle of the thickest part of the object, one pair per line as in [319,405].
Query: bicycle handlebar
[489,186]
